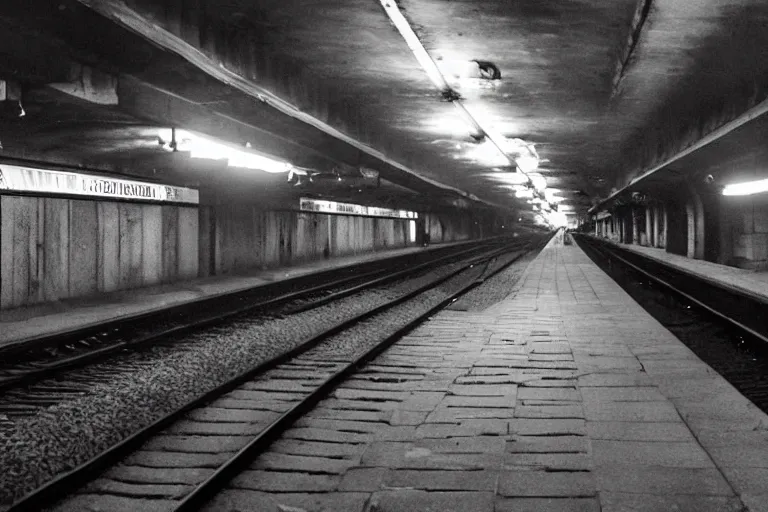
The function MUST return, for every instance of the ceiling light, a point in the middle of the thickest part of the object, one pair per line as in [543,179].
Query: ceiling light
[202,147]
[556,219]
[549,195]
[527,163]
[746,189]
[539,182]
[402,25]
[514,178]
[525,193]
[528,160]
[486,154]
[475,130]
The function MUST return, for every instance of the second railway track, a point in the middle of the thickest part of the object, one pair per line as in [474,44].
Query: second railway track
[327,356]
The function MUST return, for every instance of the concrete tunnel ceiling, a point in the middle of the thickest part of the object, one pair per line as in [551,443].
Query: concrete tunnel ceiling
[603,89]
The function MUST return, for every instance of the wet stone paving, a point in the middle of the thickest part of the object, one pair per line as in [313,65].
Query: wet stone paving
[565,396]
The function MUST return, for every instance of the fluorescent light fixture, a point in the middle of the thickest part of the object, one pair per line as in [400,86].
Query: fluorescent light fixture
[199,146]
[402,25]
[475,130]
[539,182]
[525,193]
[550,196]
[526,160]
[485,153]
[746,189]
[556,219]
[513,178]
[527,163]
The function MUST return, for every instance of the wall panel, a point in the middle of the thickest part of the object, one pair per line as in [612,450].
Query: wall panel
[187,248]
[152,245]
[7,226]
[131,246]
[52,249]
[54,275]
[83,248]
[170,244]
[109,244]
[207,241]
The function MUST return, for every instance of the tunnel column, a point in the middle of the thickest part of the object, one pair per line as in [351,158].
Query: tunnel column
[648,226]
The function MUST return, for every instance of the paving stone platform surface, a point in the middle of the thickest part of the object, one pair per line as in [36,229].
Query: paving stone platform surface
[565,396]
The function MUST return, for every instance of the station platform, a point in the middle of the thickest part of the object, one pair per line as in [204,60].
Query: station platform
[743,280]
[564,397]
[21,324]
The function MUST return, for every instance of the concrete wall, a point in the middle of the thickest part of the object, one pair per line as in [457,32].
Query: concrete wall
[53,248]
[745,221]
[243,237]
[450,228]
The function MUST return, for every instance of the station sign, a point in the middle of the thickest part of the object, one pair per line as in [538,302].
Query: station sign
[317,205]
[43,181]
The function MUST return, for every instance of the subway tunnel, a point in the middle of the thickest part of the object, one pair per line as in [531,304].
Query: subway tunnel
[168,166]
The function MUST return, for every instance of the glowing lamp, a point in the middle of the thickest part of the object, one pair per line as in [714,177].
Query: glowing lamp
[746,189]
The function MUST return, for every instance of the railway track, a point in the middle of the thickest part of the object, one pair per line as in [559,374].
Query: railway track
[270,396]
[725,327]
[30,364]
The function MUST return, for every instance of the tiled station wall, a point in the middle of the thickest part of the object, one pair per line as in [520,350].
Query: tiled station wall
[53,248]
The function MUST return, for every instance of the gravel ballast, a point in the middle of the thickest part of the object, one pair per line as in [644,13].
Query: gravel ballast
[497,288]
[65,435]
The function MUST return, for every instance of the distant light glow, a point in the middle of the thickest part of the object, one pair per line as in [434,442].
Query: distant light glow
[512,178]
[486,153]
[527,163]
[539,182]
[746,189]
[525,193]
[200,146]
[556,219]
[550,196]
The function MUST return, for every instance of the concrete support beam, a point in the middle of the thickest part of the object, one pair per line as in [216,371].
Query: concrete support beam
[635,226]
[166,109]
[89,84]
[10,100]
[690,213]
[648,229]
